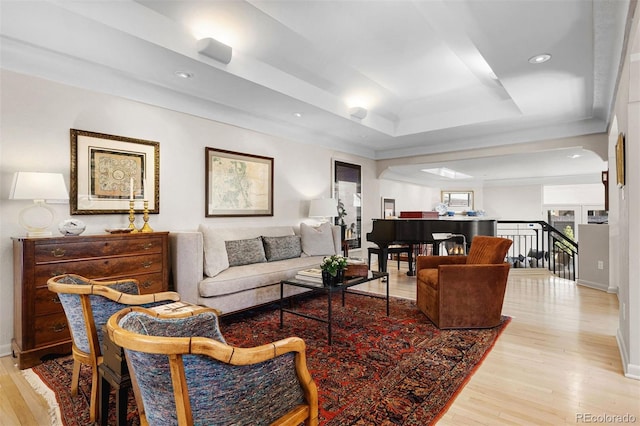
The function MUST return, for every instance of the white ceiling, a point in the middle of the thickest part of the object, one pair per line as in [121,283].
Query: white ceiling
[435,76]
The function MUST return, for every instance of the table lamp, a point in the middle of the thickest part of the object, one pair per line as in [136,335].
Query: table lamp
[324,208]
[39,187]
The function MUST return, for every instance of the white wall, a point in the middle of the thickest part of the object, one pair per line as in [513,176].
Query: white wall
[35,122]
[409,197]
[624,203]
[514,202]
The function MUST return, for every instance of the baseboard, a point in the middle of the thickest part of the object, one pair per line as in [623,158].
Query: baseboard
[5,350]
[591,284]
[630,370]
[529,271]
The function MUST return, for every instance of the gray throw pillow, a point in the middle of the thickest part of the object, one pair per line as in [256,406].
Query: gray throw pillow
[245,252]
[280,248]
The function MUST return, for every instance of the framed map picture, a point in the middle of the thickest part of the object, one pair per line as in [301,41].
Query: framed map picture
[238,184]
[108,171]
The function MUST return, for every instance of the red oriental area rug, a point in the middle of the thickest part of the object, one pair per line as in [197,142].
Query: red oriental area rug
[397,370]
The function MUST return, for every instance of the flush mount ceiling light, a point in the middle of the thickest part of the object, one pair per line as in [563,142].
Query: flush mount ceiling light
[539,59]
[358,112]
[183,74]
[214,49]
[448,173]
[297,114]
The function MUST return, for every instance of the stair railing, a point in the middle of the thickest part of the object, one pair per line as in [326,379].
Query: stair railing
[536,244]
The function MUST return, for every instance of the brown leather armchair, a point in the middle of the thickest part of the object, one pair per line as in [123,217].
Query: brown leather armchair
[464,291]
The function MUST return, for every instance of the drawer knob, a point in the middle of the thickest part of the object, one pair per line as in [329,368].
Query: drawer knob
[59,327]
[55,299]
[147,265]
[146,284]
[147,246]
[58,252]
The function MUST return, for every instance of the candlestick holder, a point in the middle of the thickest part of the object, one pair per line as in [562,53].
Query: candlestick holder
[145,217]
[132,217]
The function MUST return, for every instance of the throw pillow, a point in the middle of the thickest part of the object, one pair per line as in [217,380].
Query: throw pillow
[280,248]
[317,241]
[215,253]
[245,252]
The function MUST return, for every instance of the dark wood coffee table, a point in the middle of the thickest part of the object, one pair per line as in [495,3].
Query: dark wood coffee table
[329,291]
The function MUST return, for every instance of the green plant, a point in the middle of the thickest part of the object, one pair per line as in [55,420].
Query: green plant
[562,244]
[333,264]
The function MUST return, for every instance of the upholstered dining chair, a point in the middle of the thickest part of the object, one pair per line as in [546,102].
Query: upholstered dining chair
[464,291]
[184,372]
[88,304]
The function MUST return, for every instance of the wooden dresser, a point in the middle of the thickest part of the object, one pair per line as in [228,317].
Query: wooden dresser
[40,326]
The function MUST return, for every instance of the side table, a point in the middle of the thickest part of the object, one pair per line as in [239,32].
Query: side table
[114,373]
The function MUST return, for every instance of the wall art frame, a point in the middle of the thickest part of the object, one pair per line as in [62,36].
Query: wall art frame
[107,171]
[620,161]
[237,184]
[388,208]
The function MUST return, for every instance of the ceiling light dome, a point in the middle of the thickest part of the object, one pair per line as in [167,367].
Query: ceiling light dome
[539,59]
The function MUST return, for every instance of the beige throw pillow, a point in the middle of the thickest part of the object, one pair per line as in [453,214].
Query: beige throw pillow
[317,241]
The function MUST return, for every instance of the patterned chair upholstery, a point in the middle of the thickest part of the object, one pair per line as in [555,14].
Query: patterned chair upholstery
[184,372]
[464,291]
[88,304]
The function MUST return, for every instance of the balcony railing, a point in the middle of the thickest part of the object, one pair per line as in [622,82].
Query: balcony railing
[536,244]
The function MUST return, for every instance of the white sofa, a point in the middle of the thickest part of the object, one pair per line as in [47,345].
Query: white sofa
[206,265]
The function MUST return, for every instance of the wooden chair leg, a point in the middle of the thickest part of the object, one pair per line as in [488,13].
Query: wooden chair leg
[93,405]
[75,377]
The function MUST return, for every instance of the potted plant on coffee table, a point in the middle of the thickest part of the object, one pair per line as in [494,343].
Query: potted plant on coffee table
[333,269]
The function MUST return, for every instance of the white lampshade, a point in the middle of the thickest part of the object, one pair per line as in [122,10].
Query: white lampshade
[323,208]
[39,187]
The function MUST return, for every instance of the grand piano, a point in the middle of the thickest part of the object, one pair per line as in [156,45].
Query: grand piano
[387,232]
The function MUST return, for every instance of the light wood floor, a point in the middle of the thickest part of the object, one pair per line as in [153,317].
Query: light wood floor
[556,363]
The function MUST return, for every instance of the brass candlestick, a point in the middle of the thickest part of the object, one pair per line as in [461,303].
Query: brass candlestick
[132,217]
[145,217]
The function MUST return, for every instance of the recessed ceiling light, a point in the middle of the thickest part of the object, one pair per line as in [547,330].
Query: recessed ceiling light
[574,156]
[539,59]
[183,74]
[297,114]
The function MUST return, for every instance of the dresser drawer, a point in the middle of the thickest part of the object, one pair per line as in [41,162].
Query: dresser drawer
[126,266]
[51,329]
[47,302]
[149,283]
[56,252]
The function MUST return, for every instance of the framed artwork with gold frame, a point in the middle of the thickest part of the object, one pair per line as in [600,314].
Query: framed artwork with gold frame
[108,171]
[620,161]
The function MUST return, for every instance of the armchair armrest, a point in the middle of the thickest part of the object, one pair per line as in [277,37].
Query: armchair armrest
[432,262]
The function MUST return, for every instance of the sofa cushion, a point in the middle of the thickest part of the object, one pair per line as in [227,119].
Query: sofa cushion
[215,251]
[245,252]
[317,241]
[253,277]
[280,248]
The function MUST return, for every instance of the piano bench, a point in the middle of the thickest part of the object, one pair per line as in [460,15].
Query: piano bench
[392,250]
